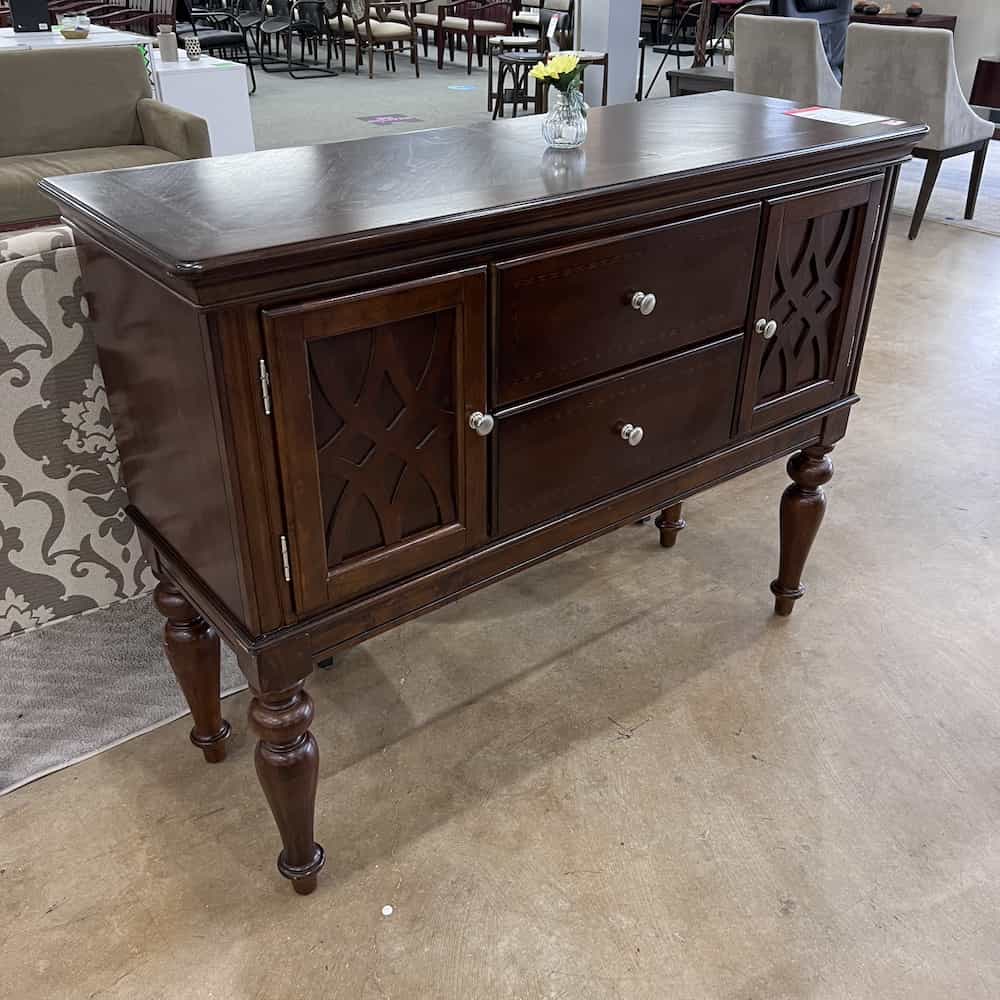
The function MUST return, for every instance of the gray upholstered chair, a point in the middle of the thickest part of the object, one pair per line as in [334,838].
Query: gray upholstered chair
[832,16]
[783,57]
[912,75]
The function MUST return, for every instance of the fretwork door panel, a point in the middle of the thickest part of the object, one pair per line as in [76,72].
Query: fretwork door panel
[817,248]
[372,394]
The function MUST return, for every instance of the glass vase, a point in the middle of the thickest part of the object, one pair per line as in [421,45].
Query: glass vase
[565,126]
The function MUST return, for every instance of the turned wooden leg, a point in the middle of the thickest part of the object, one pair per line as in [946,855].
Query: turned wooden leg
[671,523]
[193,651]
[287,761]
[802,507]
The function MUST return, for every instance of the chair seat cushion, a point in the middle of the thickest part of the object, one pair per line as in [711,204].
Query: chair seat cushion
[20,199]
[528,18]
[385,31]
[425,20]
[516,42]
[218,38]
[587,57]
[480,27]
[335,23]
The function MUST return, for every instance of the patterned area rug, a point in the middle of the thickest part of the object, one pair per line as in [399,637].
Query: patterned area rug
[83,685]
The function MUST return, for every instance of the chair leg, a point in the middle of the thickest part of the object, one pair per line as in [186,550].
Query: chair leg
[253,79]
[470,44]
[414,52]
[926,189]
[978,165]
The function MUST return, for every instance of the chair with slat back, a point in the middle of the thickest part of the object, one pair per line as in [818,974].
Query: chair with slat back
[474,22]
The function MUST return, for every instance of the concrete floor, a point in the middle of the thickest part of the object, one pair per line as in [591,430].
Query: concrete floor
[616,777]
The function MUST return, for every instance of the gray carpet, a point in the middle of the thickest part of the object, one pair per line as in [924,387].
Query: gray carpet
[83,685]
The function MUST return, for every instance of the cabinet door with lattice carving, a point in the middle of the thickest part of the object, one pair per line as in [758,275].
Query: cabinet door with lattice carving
[372,394]
[811,287]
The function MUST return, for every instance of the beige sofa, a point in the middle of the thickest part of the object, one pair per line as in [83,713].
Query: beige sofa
[69,112]
[66,546]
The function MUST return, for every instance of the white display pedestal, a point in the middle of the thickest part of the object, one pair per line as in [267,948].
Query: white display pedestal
[214,89]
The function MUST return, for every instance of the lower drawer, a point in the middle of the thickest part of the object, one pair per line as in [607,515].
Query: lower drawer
[565,451]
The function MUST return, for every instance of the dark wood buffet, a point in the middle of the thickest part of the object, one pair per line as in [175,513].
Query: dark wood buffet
[353,382]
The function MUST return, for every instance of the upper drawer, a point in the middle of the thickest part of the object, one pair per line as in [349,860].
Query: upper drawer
[567,316]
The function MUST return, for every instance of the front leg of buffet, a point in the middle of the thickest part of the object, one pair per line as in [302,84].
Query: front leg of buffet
[802,507]
[287,760]
[671,523]
[193,651]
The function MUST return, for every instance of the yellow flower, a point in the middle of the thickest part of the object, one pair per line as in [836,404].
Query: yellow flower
[556,68]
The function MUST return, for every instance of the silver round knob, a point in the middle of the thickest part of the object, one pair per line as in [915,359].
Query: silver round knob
[644,303]
[632,435]
[767,328]
[481,423]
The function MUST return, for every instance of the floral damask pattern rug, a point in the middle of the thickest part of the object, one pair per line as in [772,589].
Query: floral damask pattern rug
[66,546]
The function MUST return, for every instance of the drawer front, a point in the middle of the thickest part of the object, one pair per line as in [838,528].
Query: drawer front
[563,453]
[568,316]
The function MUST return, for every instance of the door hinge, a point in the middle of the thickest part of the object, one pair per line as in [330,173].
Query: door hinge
[265,386]
[286,565]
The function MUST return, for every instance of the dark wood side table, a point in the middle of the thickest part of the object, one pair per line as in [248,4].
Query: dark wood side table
[900,20]
[986,87]
[700,80]
[338,410]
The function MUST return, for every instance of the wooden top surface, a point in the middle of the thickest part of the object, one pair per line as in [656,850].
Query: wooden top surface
[196,216]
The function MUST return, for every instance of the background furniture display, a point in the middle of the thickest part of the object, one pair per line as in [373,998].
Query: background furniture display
[795,45]
[215,90]
[473,23]
[306,21]
[986,87]
[219,32]
[388,25]
[912,75]
[832,16]
[66,546]
[119,125]
[100,36]
[699,80]
[326,429]
[901,20]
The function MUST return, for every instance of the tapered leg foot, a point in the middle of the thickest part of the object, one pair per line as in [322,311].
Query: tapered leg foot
[931,172]
[193,651]
[671,523]
[802,507]
[976,179]
[287,760]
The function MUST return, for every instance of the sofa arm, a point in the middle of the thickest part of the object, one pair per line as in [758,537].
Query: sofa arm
[178,132]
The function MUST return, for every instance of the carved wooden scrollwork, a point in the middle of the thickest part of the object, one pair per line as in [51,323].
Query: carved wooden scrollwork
[384,415]
[809,294]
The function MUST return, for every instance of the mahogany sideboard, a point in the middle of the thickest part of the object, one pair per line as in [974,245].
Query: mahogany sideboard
[355,381]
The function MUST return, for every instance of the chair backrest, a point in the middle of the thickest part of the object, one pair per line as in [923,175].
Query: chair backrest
[818,10]
[833,17]
[71,99]
[783,57]
[910,74]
